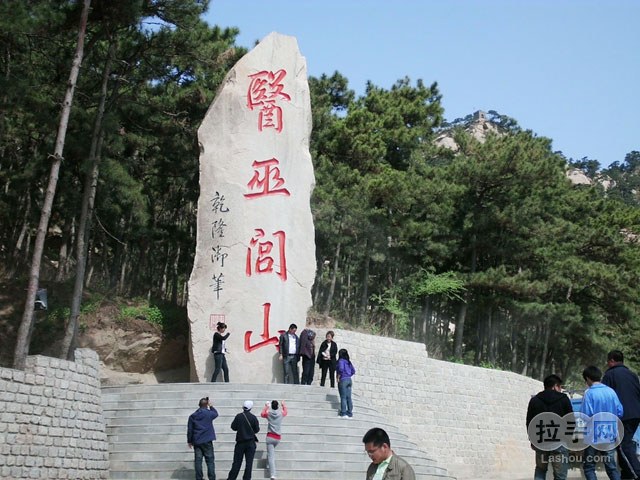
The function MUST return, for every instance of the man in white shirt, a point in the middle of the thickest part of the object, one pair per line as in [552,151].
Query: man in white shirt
[290,354]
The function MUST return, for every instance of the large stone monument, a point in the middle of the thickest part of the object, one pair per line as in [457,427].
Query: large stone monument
[255,254]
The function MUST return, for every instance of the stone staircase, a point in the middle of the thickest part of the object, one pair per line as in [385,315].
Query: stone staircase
[147,424]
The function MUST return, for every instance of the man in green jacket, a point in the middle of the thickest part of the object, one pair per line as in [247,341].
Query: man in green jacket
[385,465]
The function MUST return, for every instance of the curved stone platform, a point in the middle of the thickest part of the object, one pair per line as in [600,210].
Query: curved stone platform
[146,428]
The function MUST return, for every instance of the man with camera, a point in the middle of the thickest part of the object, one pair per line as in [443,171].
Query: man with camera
[200,437]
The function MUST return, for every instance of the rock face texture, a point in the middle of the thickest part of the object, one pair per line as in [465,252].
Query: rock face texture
[255,254]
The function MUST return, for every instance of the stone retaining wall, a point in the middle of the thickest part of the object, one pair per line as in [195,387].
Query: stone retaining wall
[471,420]
[51,422]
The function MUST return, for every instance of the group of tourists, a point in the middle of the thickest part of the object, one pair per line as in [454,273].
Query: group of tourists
[201,435]
[293,348]
[609,397]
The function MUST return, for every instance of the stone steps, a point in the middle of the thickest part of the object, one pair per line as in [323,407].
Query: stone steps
[146,427]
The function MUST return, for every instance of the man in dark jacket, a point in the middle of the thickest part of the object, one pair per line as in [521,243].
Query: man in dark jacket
[627,387]
[246,426]
[200,437]
[289,346]
[550,400]
[308,354]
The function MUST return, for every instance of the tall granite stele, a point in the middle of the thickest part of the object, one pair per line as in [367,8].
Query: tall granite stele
[255,255]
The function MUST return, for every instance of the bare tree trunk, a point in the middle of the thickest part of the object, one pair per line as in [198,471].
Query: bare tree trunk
[462,312]
[63,256]
[164,285]
[514,344]
[525,368]
[545,349]
[26,325]
[15,261]
[123,270]
[317,286]
[334,276]
[185,293]
[24,229]
[459,332]
[346,298]
[364,299]
[491,336]
[87,282]
[480,341]
[174,287]
[424,319]
[446,330]
[88,201]
[566,371]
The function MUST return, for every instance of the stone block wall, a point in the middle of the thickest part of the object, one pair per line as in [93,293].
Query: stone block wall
[51,422]
[470,420]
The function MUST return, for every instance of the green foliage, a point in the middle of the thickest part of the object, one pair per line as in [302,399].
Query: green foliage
[388,302]
[170,318]
[496,228]
[91,304]
[150,313]
[488,249]
[59,315]
[446,284]
[490,365]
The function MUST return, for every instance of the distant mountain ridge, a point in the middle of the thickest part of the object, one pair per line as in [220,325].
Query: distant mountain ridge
[480,124]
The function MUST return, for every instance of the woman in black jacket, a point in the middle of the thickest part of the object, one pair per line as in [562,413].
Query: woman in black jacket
[219,351]
[327,359]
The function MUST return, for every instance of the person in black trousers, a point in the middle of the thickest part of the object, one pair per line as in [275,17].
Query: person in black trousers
[308,355]
[627,387]
[219,351]
[200,437]
[327,359]
[246,426]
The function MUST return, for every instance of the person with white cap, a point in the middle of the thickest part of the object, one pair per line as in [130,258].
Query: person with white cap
[246,425]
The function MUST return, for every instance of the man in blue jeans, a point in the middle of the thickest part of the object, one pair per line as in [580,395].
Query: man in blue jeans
[200,437]
[599,398]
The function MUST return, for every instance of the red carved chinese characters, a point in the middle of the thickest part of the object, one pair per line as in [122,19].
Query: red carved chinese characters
[266,339]
[266,253]
[270,183]
[265,89]
[259,259]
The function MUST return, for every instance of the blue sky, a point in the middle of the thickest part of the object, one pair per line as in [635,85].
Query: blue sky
[566,69]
